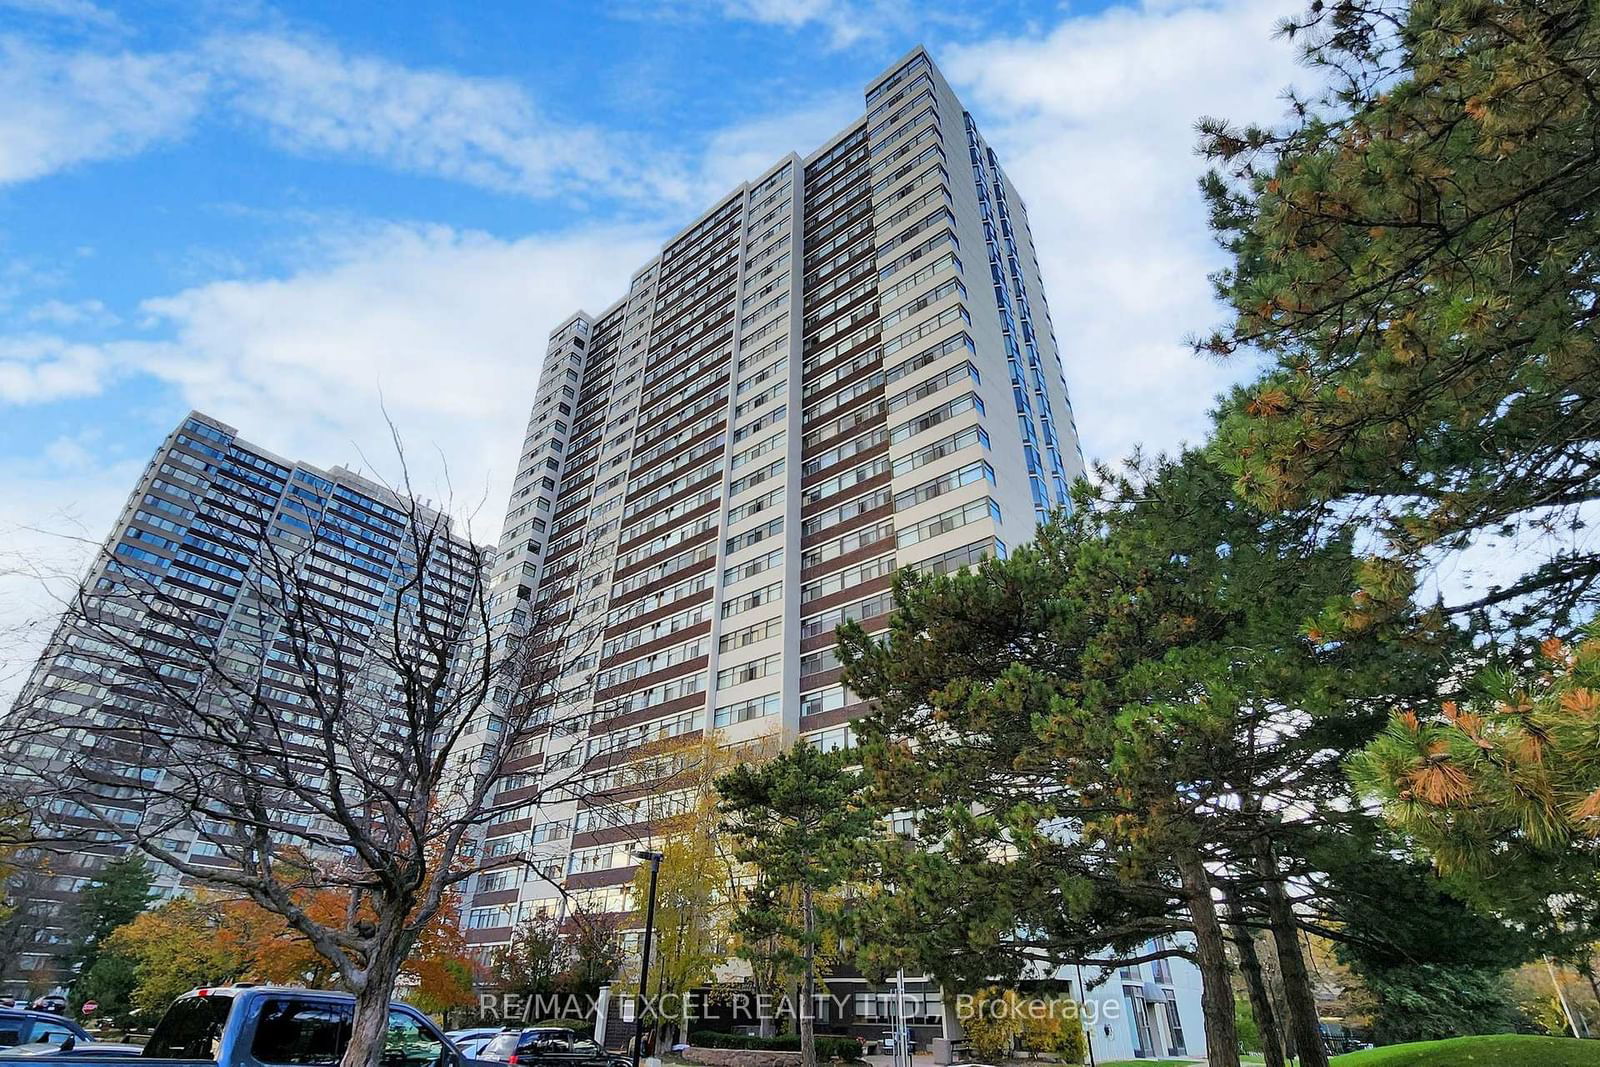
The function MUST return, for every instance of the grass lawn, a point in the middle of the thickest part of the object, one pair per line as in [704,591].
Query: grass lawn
[1493,1050]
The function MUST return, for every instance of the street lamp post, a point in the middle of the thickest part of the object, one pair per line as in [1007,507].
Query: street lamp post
[654,859]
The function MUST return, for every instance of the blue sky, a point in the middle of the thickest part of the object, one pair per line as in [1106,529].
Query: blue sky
[296,216]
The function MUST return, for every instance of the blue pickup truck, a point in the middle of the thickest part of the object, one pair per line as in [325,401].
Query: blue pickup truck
[272,1026]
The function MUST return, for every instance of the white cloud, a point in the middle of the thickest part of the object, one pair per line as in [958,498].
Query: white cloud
[742,152]
[848,22]
[58,109]
[79,11]
[444,329]
[38,368]
[1094,124]
[54,512]
[314,98]
[71,313]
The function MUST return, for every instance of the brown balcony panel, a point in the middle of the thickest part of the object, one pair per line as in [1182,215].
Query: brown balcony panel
[693,513]
[854,460]
[598,879]
[666,502]
[808,510]
[846,596]
[674,638]
[654,711]
[845,559]
[645,681]
[646,562]
[866,398]
[607,760]
[825,719]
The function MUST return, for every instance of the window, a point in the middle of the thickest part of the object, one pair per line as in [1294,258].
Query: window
[191,1028]
[832,740]
[748,672]
[300,1031]
[50,1033]
[746,710]
[543,1043]
[946,521]
[409,1044]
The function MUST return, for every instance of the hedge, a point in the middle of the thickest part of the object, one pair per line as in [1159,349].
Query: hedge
[828,1046]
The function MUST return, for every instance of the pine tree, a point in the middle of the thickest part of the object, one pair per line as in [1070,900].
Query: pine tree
[1106,728]
[1415,253]
[799,820]
[1502,790]
[119,893]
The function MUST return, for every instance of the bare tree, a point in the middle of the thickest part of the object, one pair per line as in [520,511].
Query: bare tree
[351,721]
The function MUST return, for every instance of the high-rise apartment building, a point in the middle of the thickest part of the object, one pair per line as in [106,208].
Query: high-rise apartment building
[222,549]
[845,367]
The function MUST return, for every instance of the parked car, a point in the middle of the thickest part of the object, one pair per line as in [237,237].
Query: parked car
[550,1047]
[258,1026]
[472,1042]
[70,1047]
[22,1026]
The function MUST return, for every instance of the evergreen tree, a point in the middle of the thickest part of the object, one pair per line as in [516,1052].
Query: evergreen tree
[1502,790]
[799,820]
[1432,964]
[1109,726]
[119,893]
[1415,253]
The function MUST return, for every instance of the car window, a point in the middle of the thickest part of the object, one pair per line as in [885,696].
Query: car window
[544,1042]
[584,1047]
[11,1030]
[501,1048]
[50,1032]
[409,1044]
[191,1029]
[300,1031]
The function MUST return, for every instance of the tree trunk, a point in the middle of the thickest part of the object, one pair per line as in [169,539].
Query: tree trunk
[808,989]
[1255,984]
[1216,991]
[371,1024]
[1297,993]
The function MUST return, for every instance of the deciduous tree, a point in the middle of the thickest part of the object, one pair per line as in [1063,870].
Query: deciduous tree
[377,742]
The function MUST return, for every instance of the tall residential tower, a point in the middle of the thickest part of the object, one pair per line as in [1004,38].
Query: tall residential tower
[265,593]
[845,367]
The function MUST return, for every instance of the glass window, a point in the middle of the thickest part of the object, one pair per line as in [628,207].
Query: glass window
[301,1031]
[545,1043]
[501,1048]
[11,1030]
[409,1044]
[190,1029]
[50,1032]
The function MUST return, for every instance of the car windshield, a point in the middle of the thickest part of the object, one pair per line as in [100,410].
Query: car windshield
[190,1029]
